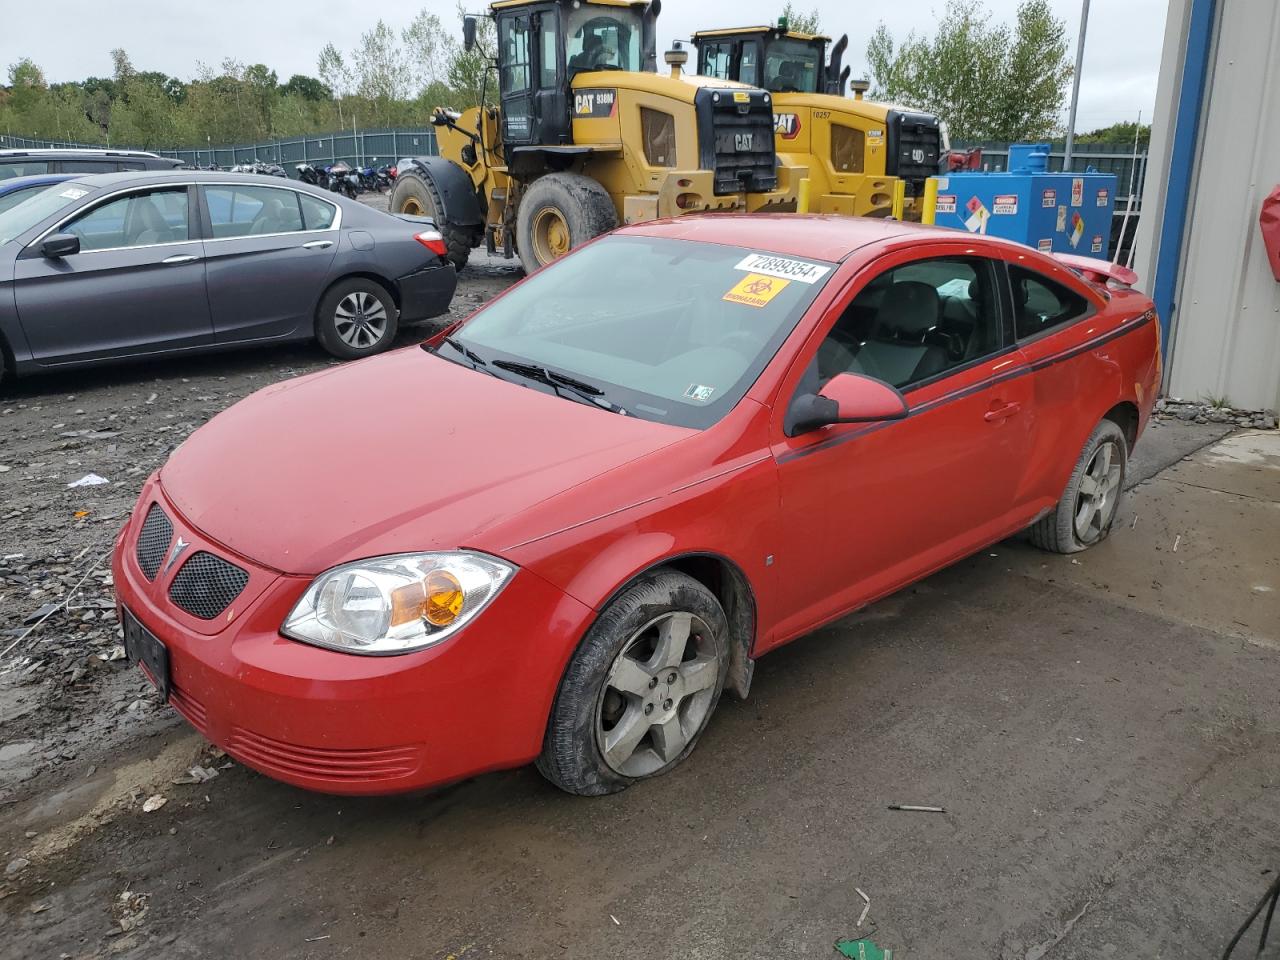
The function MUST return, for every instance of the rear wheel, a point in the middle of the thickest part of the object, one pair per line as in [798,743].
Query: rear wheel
[558,212]
[418,197]
[356,318]
[1084,514]
[640,689]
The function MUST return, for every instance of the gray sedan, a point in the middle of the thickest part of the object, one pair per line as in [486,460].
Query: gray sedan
[132,265]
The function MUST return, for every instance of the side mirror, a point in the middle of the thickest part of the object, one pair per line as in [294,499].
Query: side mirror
[60,245]
[468,33]
[847,398]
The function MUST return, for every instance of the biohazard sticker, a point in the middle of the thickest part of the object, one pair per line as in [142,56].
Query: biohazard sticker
[1049,199]
[1006,205]
[1045,245]
[700,392]
[1077,192]
[756,290]
[1104,196]
[1096,245]
[946,203]
[594,103]
[1062,220]
[782,267]
[1077,229]
[976,222]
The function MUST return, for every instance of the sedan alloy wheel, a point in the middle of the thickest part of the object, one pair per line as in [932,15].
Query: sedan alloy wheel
[360,319]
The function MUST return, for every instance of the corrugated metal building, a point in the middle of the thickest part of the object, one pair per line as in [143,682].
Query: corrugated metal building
[1215,155]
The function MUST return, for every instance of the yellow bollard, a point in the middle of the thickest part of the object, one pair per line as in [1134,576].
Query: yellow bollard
[929,213]
[899,198]
[802,196]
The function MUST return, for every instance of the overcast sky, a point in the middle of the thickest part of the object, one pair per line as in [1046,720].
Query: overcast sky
[1122,52]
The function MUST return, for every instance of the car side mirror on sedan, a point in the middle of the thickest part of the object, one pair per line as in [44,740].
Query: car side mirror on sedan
[60,245]
[847,398]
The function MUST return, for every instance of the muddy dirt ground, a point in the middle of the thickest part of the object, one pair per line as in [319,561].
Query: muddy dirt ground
[1104,733]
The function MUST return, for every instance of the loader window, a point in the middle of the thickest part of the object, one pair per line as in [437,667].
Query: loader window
[659,132]
[515,56]
[609,42]
[717,60]
[792,66]
[848,148]
[547,44]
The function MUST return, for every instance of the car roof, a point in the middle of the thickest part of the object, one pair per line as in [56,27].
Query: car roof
[76,152]
[126,178]
[34,180]
[820,236]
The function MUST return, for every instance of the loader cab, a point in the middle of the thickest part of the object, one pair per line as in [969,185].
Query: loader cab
[543,44]
[775,58]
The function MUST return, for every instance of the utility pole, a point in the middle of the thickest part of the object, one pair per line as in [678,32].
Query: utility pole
[1075,88]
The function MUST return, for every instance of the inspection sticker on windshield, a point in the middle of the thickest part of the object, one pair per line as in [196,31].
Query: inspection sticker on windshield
[755,290]
[782,267]
[73,193]
[700,392]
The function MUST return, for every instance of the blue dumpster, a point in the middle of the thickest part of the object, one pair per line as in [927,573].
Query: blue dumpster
[1055,212]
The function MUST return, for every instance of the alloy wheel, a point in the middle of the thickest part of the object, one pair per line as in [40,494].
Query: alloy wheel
[658,694]
[1099,493]
[360,319]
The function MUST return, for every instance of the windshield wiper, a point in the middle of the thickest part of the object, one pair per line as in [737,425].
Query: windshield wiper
[586,392]
[477,362]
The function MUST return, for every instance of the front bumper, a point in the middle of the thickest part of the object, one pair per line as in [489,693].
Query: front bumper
[427,293]
[343,723]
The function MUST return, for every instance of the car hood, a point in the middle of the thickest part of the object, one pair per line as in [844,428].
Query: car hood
[398,453]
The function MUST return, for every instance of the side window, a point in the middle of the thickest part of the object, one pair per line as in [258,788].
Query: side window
[848,148]
[716,60]
[87,166]
[316,213]
[139,219]
[914,322]
[547,51]
[23,168]
[515,59]
[659,131]
[250,211]
[749,65]
[1040,304]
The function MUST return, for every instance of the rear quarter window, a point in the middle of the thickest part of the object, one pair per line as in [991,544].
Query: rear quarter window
[1041,304]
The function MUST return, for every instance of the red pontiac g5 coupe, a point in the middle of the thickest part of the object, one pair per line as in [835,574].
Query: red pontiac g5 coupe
[560,529]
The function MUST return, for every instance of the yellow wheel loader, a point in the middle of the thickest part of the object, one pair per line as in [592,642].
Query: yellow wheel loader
[586,134]
[854,151]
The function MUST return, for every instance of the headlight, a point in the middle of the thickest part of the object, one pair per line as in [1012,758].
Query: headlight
[396,604]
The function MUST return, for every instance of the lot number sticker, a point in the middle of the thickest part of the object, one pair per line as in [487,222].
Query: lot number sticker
[946,203]
[756,290]
[782,267]
[1006,204]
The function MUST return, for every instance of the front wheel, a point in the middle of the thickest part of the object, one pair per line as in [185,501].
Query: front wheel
[640,689]
[1084,514]
[560,211]
[356,318]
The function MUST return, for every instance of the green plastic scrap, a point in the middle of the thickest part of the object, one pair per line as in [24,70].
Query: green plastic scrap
[862,950]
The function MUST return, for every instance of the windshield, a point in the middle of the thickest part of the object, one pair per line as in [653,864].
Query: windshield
[668,330]
[602,42]
[792,66]
[34,207]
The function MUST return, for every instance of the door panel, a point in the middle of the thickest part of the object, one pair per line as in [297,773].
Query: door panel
[137,285]
[266,273]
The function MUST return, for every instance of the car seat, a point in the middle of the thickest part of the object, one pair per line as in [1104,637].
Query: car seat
[274,218]
[146,224]
[898,353]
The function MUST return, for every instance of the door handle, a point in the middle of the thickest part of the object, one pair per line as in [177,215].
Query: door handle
[1002,412]
[180,258]
[317,245]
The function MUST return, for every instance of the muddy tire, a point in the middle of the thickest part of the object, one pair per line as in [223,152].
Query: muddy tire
[417,195]
[1084,514]
[558,212]
[640,688]
[356,318]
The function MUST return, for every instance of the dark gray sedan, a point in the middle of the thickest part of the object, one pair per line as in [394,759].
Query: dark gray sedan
[132,265]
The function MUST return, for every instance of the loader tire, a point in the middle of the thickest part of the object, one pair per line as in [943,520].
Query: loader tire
[558,212]
[418,196]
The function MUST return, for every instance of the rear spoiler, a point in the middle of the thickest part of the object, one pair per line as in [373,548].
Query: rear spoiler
[1098,271]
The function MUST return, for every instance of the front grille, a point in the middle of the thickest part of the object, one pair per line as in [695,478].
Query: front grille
[323,763]
[205,585]
[915,146]
[153,541]
[735,140]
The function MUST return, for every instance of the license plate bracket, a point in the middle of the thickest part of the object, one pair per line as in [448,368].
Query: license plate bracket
[145,649]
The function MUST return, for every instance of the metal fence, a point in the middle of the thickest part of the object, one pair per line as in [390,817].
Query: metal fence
[357,147]
[1104,157]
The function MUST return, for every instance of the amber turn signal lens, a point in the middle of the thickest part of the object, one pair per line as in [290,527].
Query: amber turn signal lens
[444,598]
[408,603]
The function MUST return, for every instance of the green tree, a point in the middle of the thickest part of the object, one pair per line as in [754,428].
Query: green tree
[985,79]
[1118,133]
[381,71]
[308,88]
[810,22]
[470,76]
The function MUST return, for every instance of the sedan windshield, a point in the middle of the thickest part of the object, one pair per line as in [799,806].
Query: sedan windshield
[667,330]
[35,206]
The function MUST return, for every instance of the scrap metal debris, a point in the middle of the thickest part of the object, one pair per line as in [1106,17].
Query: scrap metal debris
[866,905]
[916,808]
[154,803]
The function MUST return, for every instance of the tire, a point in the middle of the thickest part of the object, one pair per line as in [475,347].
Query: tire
[1088,506]
[418,196]
[558,212]
[619,682]
[368,320]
